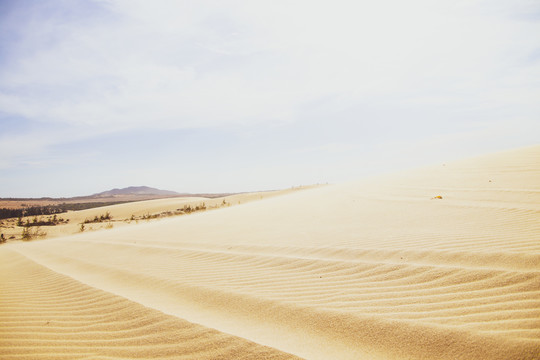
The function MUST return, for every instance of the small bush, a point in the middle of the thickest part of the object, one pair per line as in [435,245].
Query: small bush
[26,234]
[29,234]
[97,219]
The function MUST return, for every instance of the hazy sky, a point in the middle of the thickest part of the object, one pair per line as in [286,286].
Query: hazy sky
[214,96]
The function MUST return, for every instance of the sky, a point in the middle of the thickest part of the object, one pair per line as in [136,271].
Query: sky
[230,96]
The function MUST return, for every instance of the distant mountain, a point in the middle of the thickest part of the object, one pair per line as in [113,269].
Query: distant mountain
[136,190]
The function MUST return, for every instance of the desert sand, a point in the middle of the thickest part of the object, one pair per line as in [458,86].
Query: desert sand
[130,213]
[436,263]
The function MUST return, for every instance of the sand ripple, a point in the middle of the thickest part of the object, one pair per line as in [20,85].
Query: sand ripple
[365,270]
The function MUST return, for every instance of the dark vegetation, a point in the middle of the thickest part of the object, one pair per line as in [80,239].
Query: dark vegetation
[38,221]
[29,234]
[6,213]
[97,219]
[187,209]
[32,229]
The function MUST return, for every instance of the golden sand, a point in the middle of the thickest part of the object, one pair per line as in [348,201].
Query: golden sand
[438,263]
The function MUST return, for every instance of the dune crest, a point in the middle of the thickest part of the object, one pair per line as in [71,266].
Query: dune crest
[374,269]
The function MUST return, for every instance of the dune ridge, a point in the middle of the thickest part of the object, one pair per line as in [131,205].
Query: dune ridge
[375,269]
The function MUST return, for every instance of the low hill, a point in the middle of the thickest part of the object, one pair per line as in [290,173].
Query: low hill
[109,197]
[136,190]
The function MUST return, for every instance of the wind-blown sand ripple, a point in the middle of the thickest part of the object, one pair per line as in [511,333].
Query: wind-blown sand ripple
[45,315]
[364,270]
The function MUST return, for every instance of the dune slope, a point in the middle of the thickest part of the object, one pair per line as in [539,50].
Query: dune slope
[375,269]
[46,315]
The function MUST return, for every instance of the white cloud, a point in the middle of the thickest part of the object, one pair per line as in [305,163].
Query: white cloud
[189,64]
[173,64]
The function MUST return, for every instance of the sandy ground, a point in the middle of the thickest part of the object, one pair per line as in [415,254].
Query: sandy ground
[378,269]
[132,213]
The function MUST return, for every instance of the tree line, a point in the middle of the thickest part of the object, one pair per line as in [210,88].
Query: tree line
[6,213]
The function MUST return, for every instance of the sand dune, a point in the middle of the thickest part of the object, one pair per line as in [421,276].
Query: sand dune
[133,212]
[47,315]
[375,269]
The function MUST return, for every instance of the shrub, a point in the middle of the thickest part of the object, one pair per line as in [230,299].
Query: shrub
[26,234]
[97,219]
